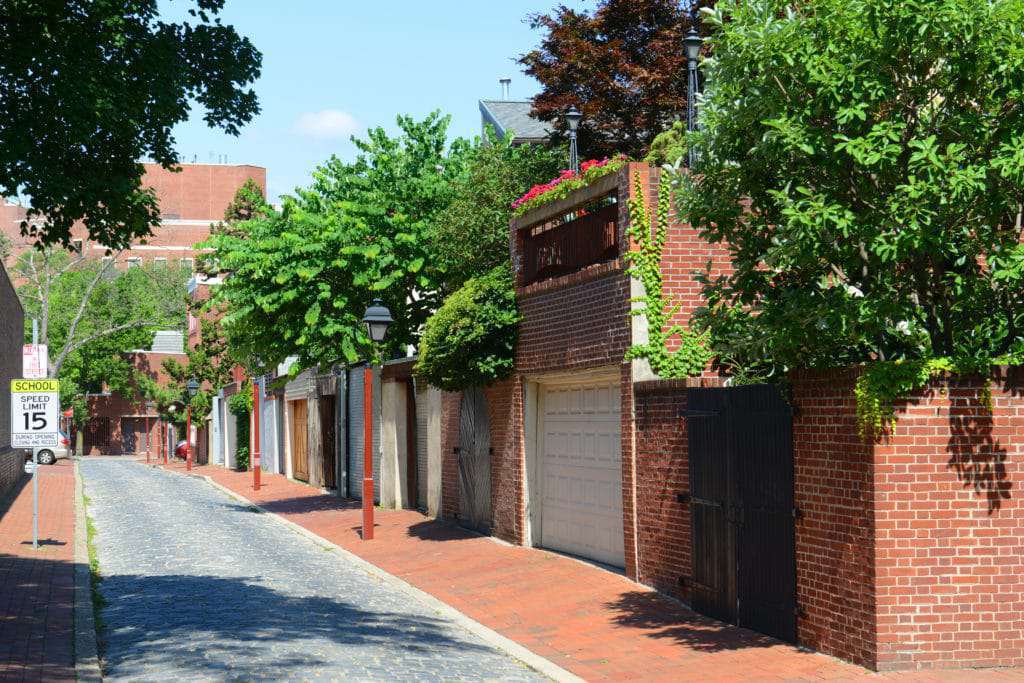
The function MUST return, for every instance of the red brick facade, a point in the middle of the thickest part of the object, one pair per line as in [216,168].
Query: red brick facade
[190,200]
[910,553]
[833,489]
[575,323]
[117,424]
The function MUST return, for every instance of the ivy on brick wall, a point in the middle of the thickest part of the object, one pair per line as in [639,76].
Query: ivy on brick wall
[694,352]
[883,384]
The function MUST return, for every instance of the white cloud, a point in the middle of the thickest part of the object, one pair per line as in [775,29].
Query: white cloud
[329,123]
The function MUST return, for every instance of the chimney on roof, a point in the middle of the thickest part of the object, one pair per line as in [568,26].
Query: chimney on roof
[506,83]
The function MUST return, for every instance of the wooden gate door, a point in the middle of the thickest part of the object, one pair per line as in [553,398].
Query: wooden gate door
[474,461]
[742,509]
[97,436]
[300,456]
[327,431]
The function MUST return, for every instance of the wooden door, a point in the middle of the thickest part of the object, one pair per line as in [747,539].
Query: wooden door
[300,455]
[474,462]
[742,510]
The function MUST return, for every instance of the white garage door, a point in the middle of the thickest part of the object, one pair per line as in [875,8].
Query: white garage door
[581,472]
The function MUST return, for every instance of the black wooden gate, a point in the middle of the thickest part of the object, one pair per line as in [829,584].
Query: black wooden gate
[741,501]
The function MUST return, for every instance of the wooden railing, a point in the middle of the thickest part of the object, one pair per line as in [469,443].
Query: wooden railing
[552,251]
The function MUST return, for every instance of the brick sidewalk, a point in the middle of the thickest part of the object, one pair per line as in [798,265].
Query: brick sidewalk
[594,623]
[37,587]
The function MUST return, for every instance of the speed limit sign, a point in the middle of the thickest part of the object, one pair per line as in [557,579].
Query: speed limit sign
[35,413]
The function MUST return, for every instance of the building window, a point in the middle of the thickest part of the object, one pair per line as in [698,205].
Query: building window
[160,261]
[188,263]
[76,246]
[133,262]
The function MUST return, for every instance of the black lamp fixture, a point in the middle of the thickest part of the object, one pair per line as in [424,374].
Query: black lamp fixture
[192,386]
[692,44]
[572,120]
[377,319]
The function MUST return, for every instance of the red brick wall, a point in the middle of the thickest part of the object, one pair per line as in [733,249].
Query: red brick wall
[200,191]
[663,523]
[686,255]
[12,336]
[950,529]
[116,408]
[834,538]
[450,403]
[504,400]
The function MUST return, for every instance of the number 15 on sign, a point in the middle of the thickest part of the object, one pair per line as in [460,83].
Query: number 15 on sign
[35,413]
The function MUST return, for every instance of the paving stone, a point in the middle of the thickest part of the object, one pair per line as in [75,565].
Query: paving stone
[200,587]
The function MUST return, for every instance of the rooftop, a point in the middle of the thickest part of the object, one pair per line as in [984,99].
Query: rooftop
[514,116]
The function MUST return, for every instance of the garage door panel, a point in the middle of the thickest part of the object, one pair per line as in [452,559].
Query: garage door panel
[581,473]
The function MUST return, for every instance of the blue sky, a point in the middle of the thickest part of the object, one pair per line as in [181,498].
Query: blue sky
[334,67]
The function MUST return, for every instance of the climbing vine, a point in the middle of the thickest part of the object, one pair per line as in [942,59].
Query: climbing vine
[882,384]
[240,405]
[694,352]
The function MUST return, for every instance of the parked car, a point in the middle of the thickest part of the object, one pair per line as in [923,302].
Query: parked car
[48,456]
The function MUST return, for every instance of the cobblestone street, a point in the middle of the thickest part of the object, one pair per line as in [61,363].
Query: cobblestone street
[199,586]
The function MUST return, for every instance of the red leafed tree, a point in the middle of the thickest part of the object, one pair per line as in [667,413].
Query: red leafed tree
[622,66]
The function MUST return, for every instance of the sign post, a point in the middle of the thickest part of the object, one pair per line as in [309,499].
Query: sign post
[35,424]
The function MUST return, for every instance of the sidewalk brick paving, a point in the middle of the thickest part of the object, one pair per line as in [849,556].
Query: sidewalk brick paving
[37,587]
[592,622]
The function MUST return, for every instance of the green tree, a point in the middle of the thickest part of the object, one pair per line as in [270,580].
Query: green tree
[472,231]
[299,281]
[100,86]
[90,313]
[864,162]
[470,341]
[622,66]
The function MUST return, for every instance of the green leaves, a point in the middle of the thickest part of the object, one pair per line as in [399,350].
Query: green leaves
[301,279]
[862,161]
[470,341]
[103,86]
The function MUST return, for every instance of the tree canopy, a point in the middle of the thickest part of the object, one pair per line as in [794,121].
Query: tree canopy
[472,230]
[622,66]
[100,85]
[862,160]
[299,281]
[90,314]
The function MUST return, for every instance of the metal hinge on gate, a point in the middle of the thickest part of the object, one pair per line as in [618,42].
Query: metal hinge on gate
[798,513]
[699,413]
[683,498]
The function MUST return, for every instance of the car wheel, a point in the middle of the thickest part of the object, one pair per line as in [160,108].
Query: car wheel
[46,458]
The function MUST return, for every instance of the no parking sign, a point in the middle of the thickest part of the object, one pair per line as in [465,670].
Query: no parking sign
[35,413]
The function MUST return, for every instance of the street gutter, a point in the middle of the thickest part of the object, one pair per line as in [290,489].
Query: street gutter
[87,663]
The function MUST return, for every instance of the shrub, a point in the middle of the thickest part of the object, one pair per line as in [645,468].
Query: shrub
[471,338]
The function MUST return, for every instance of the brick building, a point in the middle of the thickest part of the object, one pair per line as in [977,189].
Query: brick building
[756,508]
[12,336]
[118,424]
[191,199]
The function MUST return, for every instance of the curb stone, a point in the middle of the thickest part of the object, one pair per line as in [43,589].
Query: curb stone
[87,664]
[489,636]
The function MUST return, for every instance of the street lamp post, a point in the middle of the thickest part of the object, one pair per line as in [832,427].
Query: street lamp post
[377,319]
[192,387]
[572,119]
[149,435]
[692,43]
[255,434]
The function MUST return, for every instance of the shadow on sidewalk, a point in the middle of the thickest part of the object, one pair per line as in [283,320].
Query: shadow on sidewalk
[37,631]
[665,618]
[438,530]
[7,499]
